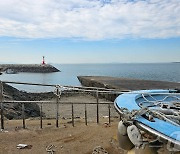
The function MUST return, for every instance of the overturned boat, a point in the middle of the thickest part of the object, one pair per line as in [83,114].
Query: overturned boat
[149,117]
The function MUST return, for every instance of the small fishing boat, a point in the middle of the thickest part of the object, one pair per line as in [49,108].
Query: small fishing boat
[149,117]
[10,71]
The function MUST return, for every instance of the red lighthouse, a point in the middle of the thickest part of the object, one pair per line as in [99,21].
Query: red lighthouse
[43,61]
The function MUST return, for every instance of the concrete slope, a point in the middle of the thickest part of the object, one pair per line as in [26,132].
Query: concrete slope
[125,83]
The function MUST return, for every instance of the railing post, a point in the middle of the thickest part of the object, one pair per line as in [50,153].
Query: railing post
[109,107]
[97,99]
[85,115]
[41,116]
[72,115]
[57,107]
[2,106]
[23,116]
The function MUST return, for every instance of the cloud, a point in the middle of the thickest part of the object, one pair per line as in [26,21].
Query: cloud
[90,19]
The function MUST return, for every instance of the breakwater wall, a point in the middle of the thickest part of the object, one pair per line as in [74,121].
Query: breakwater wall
[124,84]
[34,68]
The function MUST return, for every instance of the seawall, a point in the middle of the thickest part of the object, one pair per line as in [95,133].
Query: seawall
[124,84]
[33,68]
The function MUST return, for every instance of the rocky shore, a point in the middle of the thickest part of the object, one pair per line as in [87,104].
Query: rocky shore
[33,68]
[14,110]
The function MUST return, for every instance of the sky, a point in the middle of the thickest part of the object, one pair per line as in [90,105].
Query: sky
[89,31]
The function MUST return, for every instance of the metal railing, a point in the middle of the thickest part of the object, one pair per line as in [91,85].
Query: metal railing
[58,89]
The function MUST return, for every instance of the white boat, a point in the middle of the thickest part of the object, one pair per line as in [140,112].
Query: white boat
[10,71]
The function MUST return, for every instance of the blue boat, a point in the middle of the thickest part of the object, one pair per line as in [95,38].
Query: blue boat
[152,113]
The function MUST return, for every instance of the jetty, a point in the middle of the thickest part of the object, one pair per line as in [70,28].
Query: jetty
[124,84]
[32,68]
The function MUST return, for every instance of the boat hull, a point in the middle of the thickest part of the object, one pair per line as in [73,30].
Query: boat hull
[164,130]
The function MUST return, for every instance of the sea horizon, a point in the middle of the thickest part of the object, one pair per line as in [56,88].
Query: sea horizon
[51,63]
[68,73]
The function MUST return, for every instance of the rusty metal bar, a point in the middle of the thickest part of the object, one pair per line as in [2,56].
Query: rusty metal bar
[54,102]
[85,113]
[2,106]
[78,88]
[23,116]
[97,101]
[33,84]
[41,116]
[57,107]
[72,115]
[109,107]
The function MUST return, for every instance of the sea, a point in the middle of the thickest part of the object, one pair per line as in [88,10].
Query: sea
[69,72]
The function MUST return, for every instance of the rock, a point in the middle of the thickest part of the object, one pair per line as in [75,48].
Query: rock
[106,124]
[14,110]
[69,122]
[99,150]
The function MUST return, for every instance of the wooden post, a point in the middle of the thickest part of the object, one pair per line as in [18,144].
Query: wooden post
[41,116]
[97,99]
[72,115]
[85,115]
[2,106]
[109,107]
[23,116]
[57,107]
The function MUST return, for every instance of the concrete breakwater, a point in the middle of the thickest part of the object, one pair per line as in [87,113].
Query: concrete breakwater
[124,84]
[34,68]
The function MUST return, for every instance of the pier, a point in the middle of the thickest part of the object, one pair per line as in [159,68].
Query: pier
[32,68]
[125,84]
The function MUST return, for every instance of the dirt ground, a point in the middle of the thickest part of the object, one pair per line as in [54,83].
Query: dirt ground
[65,110]
[67,139]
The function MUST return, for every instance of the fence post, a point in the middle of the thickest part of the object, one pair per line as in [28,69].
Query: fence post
[57,107]
[97,99]
[41,116]
[85,115]
[109,113]
[23,116]
[72,115]
[2,106]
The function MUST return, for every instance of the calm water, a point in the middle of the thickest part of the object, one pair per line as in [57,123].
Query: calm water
[69,73]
